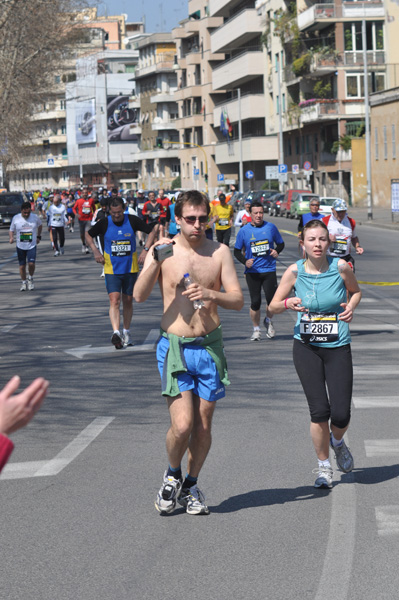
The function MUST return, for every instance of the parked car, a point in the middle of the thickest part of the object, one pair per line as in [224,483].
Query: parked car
[289,197]
[235,200]
[326,204]
[262,196]
[275,202]
[300,204]
[10,205]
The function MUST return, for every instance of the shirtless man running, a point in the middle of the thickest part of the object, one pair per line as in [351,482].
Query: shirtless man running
[190,351]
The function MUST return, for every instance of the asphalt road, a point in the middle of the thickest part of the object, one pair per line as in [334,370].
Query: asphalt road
[78,516]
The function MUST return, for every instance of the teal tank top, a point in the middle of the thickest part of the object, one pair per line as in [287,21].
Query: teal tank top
[322,293]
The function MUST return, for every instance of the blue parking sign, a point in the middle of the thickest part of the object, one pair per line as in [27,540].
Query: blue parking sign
[282,169]
[220,177]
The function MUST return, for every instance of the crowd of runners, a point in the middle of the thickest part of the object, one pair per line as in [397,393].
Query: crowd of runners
[171,237]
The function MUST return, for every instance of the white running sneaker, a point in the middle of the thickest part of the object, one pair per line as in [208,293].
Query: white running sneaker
[83,249]
[270,333]
[256,336]
[23,287]
[71,230]
[87,250]
[193,501]
[324,477]
[31,285]
[126,340]
[56,253]
[168,494]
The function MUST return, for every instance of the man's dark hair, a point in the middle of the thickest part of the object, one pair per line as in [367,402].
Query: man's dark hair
[255,204]
[192,197]
[222,196]
[117,202]
[25,205]
[114,191]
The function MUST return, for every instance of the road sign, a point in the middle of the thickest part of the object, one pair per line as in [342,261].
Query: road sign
[283,177]
[196,171]
[295,168]
[50,162]
[230,181]
[307,165]
[220,177]
[282,169]
[249,174]
[272,172]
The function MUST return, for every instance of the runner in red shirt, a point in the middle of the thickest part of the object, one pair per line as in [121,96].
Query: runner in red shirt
[165,203]
[84,208]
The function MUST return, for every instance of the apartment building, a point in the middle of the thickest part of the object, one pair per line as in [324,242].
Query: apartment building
[102,142]
[320,51]
[156,84]
[196,97]
[241,79]
[46,162]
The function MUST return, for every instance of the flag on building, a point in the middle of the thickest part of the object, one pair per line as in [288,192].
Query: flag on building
[223,127]
[229,126]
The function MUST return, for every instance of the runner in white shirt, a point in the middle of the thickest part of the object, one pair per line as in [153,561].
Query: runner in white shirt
[341,229]
[58,219]
[243,216]
[26,231]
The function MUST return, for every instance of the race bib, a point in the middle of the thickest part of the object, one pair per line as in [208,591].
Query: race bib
[223,222]
[260,248]
[57,217]
[140,205]
[340,246]
[86,209]
[121,248]
[319,327]
[25,236]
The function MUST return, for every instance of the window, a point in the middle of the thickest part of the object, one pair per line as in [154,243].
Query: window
[130,68]
[385,143]
[297,149]
[57,79]
[393,141]
[355,84]
[376,142]
[63,129]
[65,175]
[308,144]
[283,107]
[316,142]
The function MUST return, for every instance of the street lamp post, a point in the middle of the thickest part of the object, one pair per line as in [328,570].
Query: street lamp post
[196,146]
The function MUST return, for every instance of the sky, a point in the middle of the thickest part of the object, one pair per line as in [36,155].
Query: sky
[159,15]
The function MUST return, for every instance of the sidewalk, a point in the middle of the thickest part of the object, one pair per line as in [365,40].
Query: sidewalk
[382,217]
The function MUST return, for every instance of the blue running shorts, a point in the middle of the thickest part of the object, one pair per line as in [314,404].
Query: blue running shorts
[120,283]
[202,376]
[26,255]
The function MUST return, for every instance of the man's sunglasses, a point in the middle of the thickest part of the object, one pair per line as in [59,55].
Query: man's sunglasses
[192,220]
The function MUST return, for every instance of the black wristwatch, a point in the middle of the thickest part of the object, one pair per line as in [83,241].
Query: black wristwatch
[145,248]
[38,237]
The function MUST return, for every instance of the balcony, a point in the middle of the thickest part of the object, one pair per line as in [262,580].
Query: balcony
[186,29]
[355,58]
[253,106]
[159,63]
[316,111]
[163,97]
[221,8]
[237,31]
[258,148]
[134,102]
[164,124]
[135,128]
[171,152]
[48,115]
[319,16]
[238,70]
[326,158]
[42,163]
[190,91]
[190,121]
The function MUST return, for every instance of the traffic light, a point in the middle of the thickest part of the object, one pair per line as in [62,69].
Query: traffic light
[206,177]
[159,143]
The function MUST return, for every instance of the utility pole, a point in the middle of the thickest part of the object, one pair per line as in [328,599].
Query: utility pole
[241,169]
[367,111]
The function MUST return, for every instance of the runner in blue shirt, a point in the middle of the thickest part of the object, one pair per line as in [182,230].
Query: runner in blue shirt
[257,246]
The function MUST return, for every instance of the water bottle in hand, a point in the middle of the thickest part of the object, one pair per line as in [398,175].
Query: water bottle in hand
[188,281]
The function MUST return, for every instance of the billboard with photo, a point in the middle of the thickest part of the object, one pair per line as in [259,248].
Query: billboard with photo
[85,121]
[119,119]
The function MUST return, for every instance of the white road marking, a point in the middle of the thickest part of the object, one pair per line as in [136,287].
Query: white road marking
[7,328]
[54,466]
[147,346]
[376,311]
[387,520]
[367,300]
[364,347]
[376,370]
[379,448]
[341,542]
[377,402]
[373,327]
